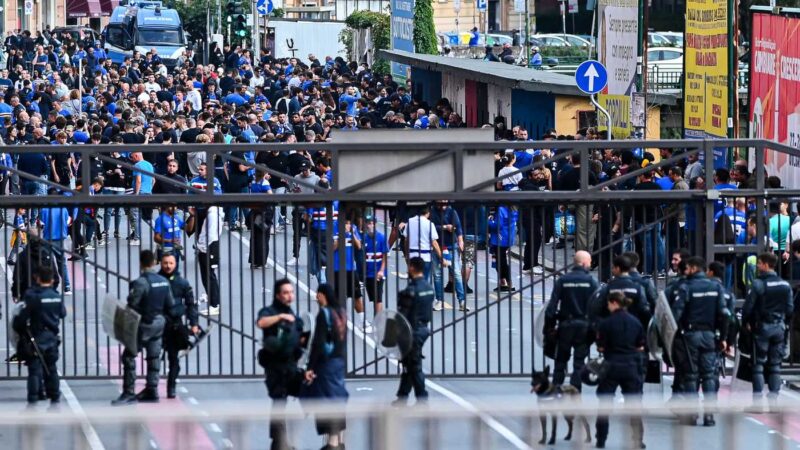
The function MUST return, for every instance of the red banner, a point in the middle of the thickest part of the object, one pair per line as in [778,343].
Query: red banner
[775,91]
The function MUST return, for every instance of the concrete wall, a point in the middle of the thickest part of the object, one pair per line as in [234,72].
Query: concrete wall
[453,90]
[566,113]
[499,102]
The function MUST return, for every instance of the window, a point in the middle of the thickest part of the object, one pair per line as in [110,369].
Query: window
[670,54]
[115,36]
[149,37]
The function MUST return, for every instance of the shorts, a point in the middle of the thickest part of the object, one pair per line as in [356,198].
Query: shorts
[353,287]
[375,289]
[468,256]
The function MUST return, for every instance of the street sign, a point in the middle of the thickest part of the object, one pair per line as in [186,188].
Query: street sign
[573,6]
[264,7]
[519,6]
[28,7]
[457,6]
[591,77]
[481,5]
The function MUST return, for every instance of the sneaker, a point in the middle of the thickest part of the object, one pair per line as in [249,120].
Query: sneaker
[211,311]
[402,275]
[256,267]
[67,291]
[292,262]
[661,275]
[89,247]
[449,287]
[13,359]
[560,245]
[268,266]
[469,290]
[203,298]
[438,305]
[526,271]
[368,328]
[116,235]
[538,270]
[134,242]
[279,229]
[102,242]
[462,306]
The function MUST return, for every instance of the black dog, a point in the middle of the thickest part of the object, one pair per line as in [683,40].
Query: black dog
[545,390]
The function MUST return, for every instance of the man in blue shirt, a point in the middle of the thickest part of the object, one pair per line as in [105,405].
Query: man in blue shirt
[474,37]
[5,109]
[722,180]
[55,224]
[167,233]
[451,241]
[353,287]
[142,185]
[376,250]
[237,97]
[201,180]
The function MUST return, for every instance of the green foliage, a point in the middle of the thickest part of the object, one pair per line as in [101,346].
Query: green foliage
[424,30]
[278,12]
[194,15]
[379,22]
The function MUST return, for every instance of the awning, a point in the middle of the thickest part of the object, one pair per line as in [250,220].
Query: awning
[107,6]
[83,8]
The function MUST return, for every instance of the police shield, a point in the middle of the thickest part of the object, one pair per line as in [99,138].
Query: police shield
[308,332]
[665,323]
[196,339]
[538,326]
[392,334]
[13,336]
[654,341]
[743,362]
[121,323]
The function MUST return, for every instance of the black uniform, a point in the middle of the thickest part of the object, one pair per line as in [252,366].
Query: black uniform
[621,338]
[629,287]
[415,302]
[40,320]
[150,295]
[650,292]
[767,309]
[569,306]
[175,331]
[702,317]
[280,364]
[671,294]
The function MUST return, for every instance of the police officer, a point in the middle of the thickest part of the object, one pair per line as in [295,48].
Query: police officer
[38,325]
[415,302]
[569,306]
[150,296]
[679,259]
[279,320]
[650,292]
[176,331]
[620,338]
[716,272]
[628,287]
[702,317]
[767,310]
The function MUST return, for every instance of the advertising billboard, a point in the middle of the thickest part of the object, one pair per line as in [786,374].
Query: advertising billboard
[617,50]
[775,91]
[402,27]
[705,62]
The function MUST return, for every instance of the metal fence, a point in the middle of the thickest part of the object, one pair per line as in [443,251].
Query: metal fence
[439,425]
[493,338]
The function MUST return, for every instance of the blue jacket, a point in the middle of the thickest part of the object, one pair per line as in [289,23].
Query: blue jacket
[55,223]
[503,227]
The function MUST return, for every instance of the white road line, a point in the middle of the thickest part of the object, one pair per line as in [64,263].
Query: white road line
[92,439]
[192,400]
[501,429]
[214,428]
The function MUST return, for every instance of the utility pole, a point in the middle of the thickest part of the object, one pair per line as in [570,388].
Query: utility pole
[527,33]
[255,33]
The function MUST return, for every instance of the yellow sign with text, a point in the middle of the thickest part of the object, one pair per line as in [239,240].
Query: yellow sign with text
[619,107]
[705,92]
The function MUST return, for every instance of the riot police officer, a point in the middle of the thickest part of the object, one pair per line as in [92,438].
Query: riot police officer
[415,302]
[150,296]
[628,287]
[38,324]
[282,331]
[176,332]
[702,317]
[568,305]
[650,292]
[621,339]
[767,310]
[679,259]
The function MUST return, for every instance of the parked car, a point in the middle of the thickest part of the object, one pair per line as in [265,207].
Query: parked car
[75,32]
[655,39]
[676,38]
[665,58]
[549,40]
[572,40]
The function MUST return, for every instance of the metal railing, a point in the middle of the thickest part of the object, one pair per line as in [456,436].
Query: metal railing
[495,338]
[436,425]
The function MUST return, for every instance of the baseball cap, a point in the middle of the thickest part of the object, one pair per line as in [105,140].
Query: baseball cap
[305,165]
[388,115]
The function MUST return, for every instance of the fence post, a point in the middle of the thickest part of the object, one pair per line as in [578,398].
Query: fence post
[708,160]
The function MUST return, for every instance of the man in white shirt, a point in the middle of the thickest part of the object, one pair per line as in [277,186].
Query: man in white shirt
[421,239]
[210,220]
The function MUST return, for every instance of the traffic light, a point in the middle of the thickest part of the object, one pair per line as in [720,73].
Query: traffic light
[234,8]
[240,25]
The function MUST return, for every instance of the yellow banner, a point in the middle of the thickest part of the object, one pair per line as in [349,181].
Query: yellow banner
[705,91]
[619,107]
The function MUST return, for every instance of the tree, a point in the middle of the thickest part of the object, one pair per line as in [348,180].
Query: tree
[424,30]
[194,15]
[379,23]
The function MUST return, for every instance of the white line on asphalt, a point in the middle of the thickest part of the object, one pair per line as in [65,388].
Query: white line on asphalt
[754,420]
[501,429]
[153,444]
[214,428]
[92,439]
[192,400]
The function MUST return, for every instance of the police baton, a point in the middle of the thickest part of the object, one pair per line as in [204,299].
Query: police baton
[38,352]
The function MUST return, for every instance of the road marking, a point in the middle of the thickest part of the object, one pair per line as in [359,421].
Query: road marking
[92,439]
[501,429]
[214,428]
[192,400]
[153,444]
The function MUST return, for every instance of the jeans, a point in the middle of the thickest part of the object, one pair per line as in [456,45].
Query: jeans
[455,271]
[770,348]
[233,213]
[116,211]
[30,187]
[649,239]
[279,212]
[317,260]
[57,247]
[209,263]
[137,215]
